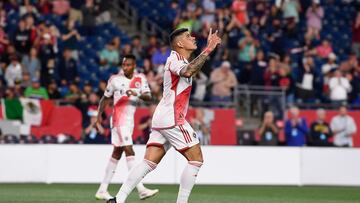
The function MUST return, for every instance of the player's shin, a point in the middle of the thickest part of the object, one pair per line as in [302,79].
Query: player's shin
[187,181]
[135,176]
[130,160]
[109,173]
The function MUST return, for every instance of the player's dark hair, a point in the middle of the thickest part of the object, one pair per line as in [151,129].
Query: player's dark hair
[129,56]
[176,33]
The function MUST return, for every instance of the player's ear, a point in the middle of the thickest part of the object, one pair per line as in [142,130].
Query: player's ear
[179,44]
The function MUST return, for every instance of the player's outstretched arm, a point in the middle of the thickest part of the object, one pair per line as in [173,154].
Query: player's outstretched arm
[195,65]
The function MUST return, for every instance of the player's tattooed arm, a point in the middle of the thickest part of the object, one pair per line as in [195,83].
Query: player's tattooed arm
[195,65]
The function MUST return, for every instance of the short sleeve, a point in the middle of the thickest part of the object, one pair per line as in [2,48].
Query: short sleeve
[109,91]
[176,64]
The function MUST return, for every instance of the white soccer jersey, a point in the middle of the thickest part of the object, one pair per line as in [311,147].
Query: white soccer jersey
[172,108]
[124,106]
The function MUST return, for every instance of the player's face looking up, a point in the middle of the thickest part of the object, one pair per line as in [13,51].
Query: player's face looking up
[186,41]
[128,66]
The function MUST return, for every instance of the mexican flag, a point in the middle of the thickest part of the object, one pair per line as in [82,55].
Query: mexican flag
[31,111]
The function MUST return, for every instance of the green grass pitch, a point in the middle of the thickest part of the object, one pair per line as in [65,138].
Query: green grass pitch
[84,193]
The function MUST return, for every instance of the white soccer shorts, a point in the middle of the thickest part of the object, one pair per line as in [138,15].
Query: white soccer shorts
[122,136]
[181,137]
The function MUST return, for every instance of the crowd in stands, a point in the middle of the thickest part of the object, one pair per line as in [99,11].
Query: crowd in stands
[298,132]
[66,50]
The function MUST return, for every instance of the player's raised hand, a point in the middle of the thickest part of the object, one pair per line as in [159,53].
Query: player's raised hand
[98,125]
[213,40]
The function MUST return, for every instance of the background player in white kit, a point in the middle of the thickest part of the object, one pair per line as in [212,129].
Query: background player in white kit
[126,88]
[169,126]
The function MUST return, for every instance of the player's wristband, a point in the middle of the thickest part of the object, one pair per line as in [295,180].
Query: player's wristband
[207,51]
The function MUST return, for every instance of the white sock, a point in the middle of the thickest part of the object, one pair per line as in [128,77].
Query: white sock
[134,177]
[130,160]
[187,181]
[109,173]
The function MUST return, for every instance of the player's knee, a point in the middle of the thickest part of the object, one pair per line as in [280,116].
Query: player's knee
[117,153]
[129,151]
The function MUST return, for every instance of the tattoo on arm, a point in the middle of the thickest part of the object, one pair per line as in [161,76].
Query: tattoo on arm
[194,66]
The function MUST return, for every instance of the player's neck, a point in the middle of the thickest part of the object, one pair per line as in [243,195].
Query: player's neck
[184,53]
[129,76]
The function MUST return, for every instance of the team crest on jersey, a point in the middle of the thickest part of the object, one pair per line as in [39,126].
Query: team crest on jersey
[137,84]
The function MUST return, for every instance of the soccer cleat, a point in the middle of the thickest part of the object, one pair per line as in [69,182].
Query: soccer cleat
[147,193]
[113,200]
[103,195]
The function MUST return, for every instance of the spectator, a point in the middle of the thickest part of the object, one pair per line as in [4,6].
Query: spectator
[101,88]
[286,83]
[26,80]
[160,56]
[291,10]
[47,60]
[239,15]
[44,7]
[109,56]
[202,124]
[324,50]
[271,76]
[247,48]
[94,135]
[61,7]
[74,94]
[356,35]
[68,67]
[276,38]
[13,71]
[258,69]
[330,65]
[137,48]
[32,64]
[320,131]
[209,9]
[223,80]
[3,18]
[151,47]
[104,8]
[21,38]
[5,57]
[199,87]
[30,26]
[71,38]
[53,91]
[36,91]
[75,13]
[145,126]
[344,128]
[314,15]
[339,88]
[268,130]
[28,9]
[4,41]
[89,12]
[296,129]
[306,83]
[18,89]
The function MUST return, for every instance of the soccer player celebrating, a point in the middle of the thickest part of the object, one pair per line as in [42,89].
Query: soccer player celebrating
[169,126]
[126,88]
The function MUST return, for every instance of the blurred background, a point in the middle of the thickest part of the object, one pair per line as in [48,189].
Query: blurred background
[286,74]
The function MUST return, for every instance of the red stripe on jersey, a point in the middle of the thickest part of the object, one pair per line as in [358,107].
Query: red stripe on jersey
[177,55]
[119,109]
[181,105]
[184,134]
[174,82]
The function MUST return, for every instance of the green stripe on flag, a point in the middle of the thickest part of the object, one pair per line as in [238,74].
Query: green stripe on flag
[12,109]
